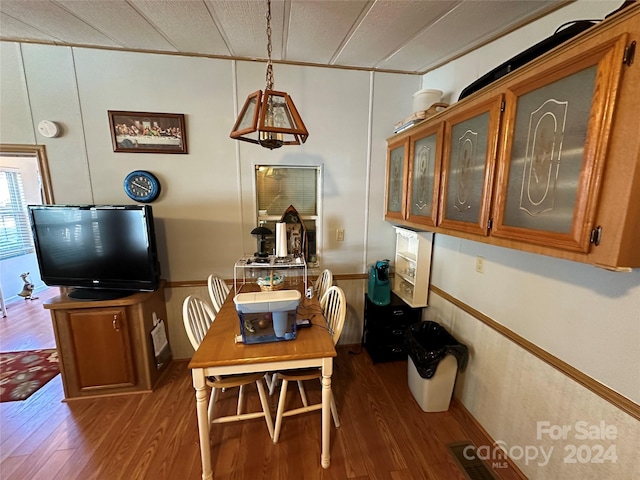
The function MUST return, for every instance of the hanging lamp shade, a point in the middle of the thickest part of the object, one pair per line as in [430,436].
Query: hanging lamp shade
[271,120]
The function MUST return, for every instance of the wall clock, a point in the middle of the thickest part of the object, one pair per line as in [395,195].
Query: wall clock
[142,186]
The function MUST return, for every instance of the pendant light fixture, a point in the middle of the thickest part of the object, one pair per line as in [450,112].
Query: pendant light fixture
[269,119]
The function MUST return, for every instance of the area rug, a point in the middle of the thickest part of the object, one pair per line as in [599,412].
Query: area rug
[23,373]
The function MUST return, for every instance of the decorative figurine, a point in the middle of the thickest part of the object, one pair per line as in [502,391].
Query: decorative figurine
[27,288]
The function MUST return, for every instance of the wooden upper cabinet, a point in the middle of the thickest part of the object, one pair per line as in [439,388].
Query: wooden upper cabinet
[425,152]
[397,174]
[556,128]
[468,163]
[544,160]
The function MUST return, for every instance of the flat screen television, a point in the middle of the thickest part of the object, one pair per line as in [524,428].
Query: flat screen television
[100,251]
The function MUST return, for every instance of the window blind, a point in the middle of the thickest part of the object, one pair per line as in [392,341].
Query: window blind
[15,229]
[279,187]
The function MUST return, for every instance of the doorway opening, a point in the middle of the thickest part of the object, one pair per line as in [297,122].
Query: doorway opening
[24,180]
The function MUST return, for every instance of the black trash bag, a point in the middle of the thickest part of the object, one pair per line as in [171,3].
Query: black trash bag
[428,342]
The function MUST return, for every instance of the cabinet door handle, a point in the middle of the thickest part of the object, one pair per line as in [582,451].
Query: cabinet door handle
[398,332]
[398,312]
[116,327]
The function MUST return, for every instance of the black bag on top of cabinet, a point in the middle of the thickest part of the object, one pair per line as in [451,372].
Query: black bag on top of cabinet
[525,57]
[560,36]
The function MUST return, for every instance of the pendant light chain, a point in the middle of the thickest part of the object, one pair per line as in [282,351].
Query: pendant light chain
[270,119]
[269,63]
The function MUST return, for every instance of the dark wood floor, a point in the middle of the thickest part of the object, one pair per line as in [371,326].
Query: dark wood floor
[27,325]
[384,434]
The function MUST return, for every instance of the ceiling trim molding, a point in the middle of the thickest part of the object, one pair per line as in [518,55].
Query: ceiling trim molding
[204,55]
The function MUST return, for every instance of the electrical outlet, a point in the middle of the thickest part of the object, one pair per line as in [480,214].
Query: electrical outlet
[340,234]
[480,264]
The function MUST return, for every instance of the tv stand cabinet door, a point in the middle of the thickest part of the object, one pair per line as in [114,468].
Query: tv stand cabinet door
[105,347]
[100,348]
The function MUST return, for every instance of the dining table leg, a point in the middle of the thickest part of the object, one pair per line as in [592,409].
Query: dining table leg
[327,371]
[199,384]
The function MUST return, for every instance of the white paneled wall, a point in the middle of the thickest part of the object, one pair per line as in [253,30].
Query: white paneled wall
[53,95]
[16,125]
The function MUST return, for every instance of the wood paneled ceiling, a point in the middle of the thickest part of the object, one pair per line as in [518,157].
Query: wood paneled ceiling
[412,36]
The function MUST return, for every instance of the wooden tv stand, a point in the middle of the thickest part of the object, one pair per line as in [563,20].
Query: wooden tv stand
[105,346]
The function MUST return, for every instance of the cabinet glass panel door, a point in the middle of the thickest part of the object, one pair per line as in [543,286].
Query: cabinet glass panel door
[397,155]
[550,133]
[468,163]
[424,175]
[547,174]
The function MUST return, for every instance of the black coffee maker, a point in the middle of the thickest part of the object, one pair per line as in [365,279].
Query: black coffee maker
[261,232]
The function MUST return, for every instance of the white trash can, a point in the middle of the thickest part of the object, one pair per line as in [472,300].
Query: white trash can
[435,357]
[434,394]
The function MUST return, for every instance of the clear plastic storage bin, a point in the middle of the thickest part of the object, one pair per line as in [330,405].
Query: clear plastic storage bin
[267,316]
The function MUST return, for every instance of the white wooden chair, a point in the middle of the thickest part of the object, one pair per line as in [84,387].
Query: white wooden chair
[198,316]
[335,310]
[323,282]
[218,291]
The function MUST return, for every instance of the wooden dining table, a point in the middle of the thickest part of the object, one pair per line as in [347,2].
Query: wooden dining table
[220,354]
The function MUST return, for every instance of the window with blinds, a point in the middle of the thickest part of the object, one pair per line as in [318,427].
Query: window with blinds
[15,229]
[277,187]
